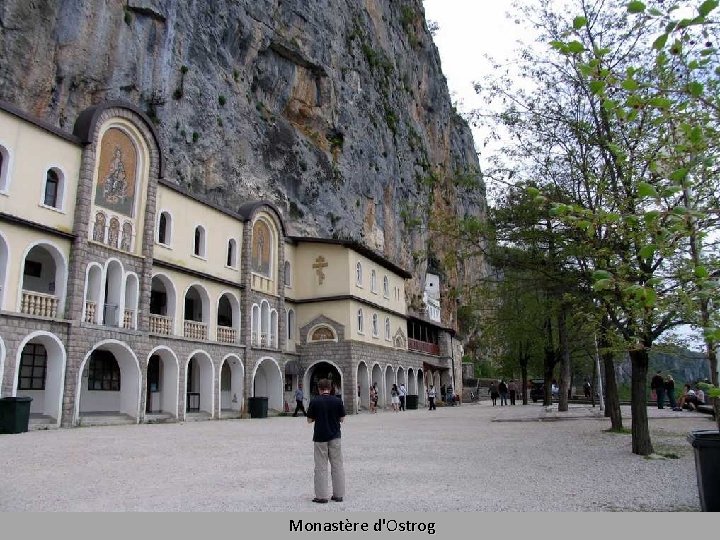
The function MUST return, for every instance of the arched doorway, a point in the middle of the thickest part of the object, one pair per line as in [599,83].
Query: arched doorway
[199,375]
[420,387]
[400,376]
[267,382]
[44,277]
[162,383]
[324,370]
[377,379]
[196,313]
[363,386]
[389,381]
[162,305]
[231,392]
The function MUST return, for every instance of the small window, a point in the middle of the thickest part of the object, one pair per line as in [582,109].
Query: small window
[164,229]
[288,274]
[199,242]
[33,367]
[358,274]
[373,281]
[53,189]
[375,329]
[4,168]
[291,325]
[386,287]
[360,321]
[232,253]
[387,328]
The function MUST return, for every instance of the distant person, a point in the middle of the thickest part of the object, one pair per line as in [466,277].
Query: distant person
[512,388]
[657,385]
[669,386]
[503,390]
[687,396]
[299,397]
[696,398]
[493,391]
[450,396]
[587,389]
[373,398]
[327,413]
[402,395]
[395,398]
[554,390]
[431,398]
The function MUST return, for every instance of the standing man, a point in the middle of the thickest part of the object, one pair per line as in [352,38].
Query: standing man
[327,412]
[658,385]
[403,393]
[670,391]
[431,398]
[512,387]
[299,396]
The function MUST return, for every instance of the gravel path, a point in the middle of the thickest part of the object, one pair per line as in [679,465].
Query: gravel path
[468,458]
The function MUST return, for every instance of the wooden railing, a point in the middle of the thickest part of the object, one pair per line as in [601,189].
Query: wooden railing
[43,305]
[423,346]
[160,324]
[262,283]
[129,318]
[226,334]
[195,330]
[90,308]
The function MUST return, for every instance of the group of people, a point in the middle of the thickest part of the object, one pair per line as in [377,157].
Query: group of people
[665,386]
[502,390]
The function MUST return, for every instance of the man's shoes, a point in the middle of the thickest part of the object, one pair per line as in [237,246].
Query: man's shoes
[336,499]
[321,501]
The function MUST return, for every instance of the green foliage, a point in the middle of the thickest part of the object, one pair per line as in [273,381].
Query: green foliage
[222,100]
[195,136]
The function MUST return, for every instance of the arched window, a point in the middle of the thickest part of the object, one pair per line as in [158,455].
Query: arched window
[52,196]
[360,321]
[386,287]
[33,367]
[291,324]
[114,232]
[373,281]
[358,274]
[4,168]
[288,274]
[103,372]
[199,242]
[127,234]
[387,329]
[232,253]
[375,329]
[99,227]
[165,229]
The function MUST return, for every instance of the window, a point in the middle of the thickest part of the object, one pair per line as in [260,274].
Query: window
[375,325]
[33,366]
[232,253]
[288,274]
[104,372]
[164,229]
[199,242]
[4,168]
[53,189]
[387,328]
[386,287]
[291,325]
[360,321]
[373,281]
[358,274]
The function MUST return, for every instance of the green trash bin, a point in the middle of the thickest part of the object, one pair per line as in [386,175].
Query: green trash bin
[258,407]
[14,414]
[411,401]
[707,467]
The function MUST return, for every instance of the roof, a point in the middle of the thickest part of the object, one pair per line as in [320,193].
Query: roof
[46,126]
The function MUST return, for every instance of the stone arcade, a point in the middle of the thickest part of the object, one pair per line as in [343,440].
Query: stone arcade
[126,298]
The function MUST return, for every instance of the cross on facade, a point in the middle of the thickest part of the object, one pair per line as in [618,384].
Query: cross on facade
[318,266]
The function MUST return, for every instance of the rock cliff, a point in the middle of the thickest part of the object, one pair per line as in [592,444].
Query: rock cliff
[337,111]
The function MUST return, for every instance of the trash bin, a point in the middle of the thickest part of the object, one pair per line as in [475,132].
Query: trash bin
[14,414]
[707,467]
[258,407]
[411,401]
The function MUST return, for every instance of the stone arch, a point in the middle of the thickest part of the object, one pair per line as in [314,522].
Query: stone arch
[267,381]
[130,304]
[363,383]
[421,389]
[389,379]
[401,376]
[114,293]
[163,305]
[196,312]
[199,386]
[93,293]
[329,367]
[231,386]
[411,382]
[255,324]
[228,318]
[50,284]
[124,401]
[376,377]
[274,342]
[322,332]
[163,397]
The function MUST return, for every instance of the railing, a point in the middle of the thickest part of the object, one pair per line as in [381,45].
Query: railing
[262,283]
[160,324]
[90,311]
[423,346]
[264,339]
[35,303]
[129,318]
[226,334]
[195,330]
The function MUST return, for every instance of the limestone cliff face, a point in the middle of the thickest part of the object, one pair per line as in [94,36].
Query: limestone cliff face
[336,110]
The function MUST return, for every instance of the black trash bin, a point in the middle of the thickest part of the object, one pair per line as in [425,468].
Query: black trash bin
[14,414]
[411,401]
[258,407]
[707,467]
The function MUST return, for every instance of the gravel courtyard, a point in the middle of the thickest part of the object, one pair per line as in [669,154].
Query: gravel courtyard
[468,458]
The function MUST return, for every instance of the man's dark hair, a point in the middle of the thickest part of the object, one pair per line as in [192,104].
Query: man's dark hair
[324,384]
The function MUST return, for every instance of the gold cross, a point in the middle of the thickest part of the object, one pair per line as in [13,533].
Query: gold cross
[319,265]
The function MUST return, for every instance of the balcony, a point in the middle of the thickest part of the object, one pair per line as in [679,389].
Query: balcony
[423,346]
[195,330]
[262,283]
[226,334]
[264,340]
[129,318]
[40,304]
[90,308]
[160,324]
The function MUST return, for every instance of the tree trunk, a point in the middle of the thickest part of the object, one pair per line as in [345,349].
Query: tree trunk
[564,359]
[612,399]
[641,443]
[524,378]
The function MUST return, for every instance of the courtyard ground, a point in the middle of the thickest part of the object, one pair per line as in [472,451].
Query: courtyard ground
[469,458]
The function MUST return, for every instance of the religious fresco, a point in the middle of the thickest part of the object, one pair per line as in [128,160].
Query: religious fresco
[116,180]
[261,244]
[322,333]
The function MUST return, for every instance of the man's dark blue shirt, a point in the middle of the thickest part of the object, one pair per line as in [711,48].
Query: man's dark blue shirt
[326,411]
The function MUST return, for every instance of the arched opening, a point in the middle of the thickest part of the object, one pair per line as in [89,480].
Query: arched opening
[363,386]
[228,319]
[4,262]
[264,324]
[113,293]
[420,388]
[197,309]
[93,293]
[323,370]
[255,324]
[199,384]
[44,274]
[231,259]
[274,328]
[54,192]
[232,376]
[411,382]
[199,242]
[165,229]
[162,383]
[162,305]
[267,382]
[40,374]
[109,385]
[400,377]
[4,168]
[377,380]
[291,325]
[288,274]
[131,301]
[389,381]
